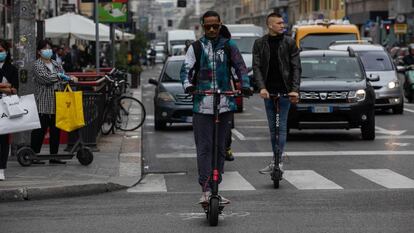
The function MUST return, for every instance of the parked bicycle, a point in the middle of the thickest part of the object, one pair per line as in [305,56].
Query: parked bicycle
[121,111]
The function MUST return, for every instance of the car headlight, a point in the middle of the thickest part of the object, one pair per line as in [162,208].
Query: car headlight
[166,97]
[393,84]
[356,96]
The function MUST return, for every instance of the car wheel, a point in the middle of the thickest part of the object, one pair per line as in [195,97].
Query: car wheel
[399,109]
[159,125]
[368,127]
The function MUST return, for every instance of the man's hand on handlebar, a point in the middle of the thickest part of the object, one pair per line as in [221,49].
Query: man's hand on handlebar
[293,97]
[190,89]
[247,91]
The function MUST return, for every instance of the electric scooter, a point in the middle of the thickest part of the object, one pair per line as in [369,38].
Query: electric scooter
[277,174]
[213,208]
[26,156]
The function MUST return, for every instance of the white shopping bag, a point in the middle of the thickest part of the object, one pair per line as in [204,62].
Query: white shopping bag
[12,104]
[28,121]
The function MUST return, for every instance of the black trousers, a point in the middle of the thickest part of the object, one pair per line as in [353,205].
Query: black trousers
[46,121]
[4,150]
[203,127]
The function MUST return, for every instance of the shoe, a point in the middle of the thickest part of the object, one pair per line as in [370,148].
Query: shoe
[224,201]
[2,177]
[268,169]
[56,161]
[204,197]
[281,167]
[229,155]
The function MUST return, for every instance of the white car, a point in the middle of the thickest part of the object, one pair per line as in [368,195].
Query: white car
[377,62]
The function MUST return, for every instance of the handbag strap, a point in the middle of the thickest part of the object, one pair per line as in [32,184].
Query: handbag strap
[68,88]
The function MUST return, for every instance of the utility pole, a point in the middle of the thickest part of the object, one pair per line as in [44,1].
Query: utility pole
[24,52]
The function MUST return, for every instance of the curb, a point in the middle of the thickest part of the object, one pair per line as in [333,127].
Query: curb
[25,194]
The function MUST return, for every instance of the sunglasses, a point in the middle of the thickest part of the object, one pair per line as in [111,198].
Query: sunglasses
[207,27]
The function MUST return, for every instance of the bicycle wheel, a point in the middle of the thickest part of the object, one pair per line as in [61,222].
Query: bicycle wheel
[107,121]
[131,114]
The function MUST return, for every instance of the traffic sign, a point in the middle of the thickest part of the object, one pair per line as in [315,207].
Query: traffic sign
[400,28]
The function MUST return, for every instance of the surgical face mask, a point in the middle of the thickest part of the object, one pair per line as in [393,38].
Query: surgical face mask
[3,56]
[46,53]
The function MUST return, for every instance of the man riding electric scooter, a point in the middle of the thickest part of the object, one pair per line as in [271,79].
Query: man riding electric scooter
[276,68]
[206,68]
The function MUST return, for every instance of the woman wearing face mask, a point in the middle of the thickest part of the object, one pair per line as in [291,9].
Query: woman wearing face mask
[47,75]
[9,83]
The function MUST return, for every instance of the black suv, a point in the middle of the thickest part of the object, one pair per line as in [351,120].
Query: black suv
[335,93]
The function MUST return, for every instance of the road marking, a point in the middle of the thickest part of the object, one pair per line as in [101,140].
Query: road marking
[258,109]
[295,153]
[150,183]
[308,179]
[386,178]
[389,132]
[234,181]
[408,110]
[239,135]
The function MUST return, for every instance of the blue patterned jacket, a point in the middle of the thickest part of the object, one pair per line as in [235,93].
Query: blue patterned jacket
[206,80]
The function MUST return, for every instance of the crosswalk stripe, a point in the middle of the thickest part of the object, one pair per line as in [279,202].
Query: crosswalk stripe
[386,178]
[150,183]
[308,179]
[296,153]
[234,181]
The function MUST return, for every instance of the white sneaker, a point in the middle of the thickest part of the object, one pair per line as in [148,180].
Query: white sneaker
[281,167]
[2,177]
[224,201]
[204,198]
[268,168]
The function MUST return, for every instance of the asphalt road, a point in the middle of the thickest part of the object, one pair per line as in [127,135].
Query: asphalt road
[334,182]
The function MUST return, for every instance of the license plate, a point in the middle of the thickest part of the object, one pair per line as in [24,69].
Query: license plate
[189,119]
[321,109]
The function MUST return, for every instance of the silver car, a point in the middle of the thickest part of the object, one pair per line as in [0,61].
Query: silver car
[377,62]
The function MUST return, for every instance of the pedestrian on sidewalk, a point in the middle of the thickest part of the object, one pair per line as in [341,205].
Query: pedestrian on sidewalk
[47,77]
[207,66]
[9,83]
[276,68]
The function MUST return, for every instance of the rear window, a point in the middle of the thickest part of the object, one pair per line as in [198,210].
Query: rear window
[331,67]
[172,71]
[323,40]
[375,60]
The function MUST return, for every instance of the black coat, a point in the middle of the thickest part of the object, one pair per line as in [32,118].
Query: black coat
[10,72]
[289,62]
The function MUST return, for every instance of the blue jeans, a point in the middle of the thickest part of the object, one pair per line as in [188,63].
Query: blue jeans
[284,105]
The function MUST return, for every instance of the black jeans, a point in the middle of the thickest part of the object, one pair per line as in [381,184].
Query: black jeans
[46,121]
[4,150]
[203,127]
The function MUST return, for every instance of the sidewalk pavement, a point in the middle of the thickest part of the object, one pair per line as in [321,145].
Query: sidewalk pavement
[116,166]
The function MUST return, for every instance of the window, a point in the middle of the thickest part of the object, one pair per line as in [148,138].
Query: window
[331,67]
[322,41]
[375,60]
[316,5]
[172,71]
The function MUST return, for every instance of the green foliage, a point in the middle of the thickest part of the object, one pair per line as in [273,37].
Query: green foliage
[135,69]
[139,45]
[122,57]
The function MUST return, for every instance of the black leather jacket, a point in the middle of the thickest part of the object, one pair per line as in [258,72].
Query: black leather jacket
[289,62]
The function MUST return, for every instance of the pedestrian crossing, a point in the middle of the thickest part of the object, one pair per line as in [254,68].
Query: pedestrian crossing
[296,180]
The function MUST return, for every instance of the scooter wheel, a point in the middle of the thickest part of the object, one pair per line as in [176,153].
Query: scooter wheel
[85,156]
[24,156]
[276,178]
[213,211]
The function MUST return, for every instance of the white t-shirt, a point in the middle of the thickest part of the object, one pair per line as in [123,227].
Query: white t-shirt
[51,67]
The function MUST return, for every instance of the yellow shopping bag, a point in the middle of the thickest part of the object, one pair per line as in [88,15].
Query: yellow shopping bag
[69,109]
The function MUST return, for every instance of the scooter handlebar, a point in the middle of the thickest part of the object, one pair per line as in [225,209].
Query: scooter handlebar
[217,92]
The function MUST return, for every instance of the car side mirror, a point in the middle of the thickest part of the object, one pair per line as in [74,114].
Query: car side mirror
[373,78]
[400,69]
[153,81]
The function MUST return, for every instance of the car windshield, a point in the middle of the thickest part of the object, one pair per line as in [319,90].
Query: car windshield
[172,71]
[331,67]
[245,44]
[322,41]
[375,60]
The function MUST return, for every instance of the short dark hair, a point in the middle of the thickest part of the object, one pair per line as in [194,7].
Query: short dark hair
[6,47]
[274,14]
[209,14]
[42,43]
